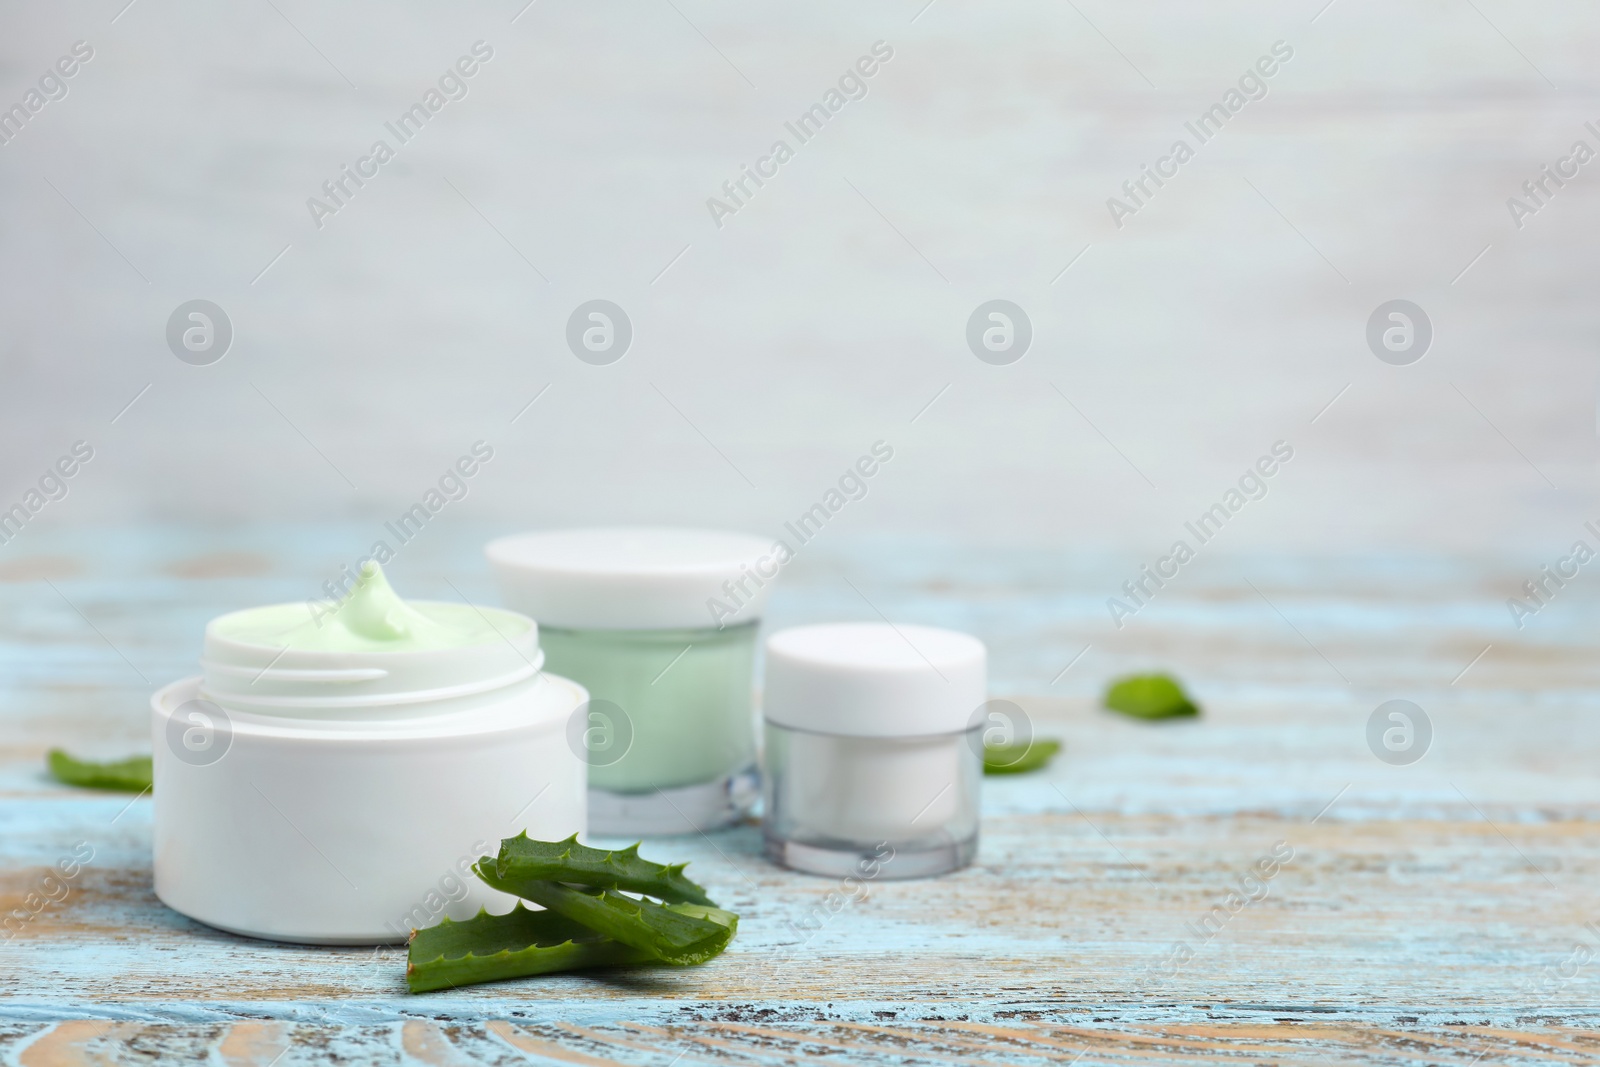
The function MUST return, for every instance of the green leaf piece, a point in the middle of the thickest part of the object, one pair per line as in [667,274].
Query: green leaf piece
[488,948]
[522,859]
[131,775]
[1150,696]
[1019,759]
[587,920]
[680,934]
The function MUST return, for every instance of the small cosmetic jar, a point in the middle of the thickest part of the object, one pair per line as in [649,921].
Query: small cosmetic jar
[341,797]
[874,753]
[660,626]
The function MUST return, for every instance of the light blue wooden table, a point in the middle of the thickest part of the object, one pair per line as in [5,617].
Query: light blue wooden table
[1441,912]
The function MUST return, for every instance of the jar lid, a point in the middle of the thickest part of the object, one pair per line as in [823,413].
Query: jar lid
[868,679]
[636,578]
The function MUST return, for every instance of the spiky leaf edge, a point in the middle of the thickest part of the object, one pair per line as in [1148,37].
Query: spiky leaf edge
[449,972]
[444,971]
[659,929]
[579,864]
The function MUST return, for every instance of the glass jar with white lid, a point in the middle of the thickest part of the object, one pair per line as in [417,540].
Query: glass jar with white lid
[874,752]
[659,624]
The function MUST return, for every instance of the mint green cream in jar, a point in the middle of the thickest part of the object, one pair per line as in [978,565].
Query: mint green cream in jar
[659,625]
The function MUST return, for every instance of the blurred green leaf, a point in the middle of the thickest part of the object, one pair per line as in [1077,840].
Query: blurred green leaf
[1019,759]
[131,775]
[1150,696]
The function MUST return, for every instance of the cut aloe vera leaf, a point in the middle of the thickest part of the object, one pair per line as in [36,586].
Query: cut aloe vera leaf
[523,859]
[1019,759]
[488,948]
[131,775]
[1150,696]
[680,934]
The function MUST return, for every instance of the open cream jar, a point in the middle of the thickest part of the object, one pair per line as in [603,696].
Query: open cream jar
[329,779]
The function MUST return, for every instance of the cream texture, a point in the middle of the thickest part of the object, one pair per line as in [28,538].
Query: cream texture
[373,618]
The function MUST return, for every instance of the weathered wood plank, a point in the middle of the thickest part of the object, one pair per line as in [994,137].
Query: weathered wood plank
[1020,1039]
[1062,906]
[1415,923]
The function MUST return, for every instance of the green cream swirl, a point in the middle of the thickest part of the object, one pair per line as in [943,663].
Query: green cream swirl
[373,618]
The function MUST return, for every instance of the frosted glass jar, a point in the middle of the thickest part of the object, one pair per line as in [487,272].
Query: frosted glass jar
[340,797]
[874,752]
[660,626]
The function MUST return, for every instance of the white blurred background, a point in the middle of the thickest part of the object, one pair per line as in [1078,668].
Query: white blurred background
[770,353]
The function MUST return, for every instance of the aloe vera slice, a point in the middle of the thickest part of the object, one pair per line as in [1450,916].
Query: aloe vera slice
[1150,696]
[523,859]
[1019,759]
[487,948]
[680,934]
[131,775]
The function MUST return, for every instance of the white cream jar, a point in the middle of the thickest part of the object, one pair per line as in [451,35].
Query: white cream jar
[330,784]
[874,753]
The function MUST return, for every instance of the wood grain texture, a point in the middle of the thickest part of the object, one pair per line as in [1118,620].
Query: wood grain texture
[1435,913]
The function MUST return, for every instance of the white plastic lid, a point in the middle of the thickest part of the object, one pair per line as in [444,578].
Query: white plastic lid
[868,679]
[636,578]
